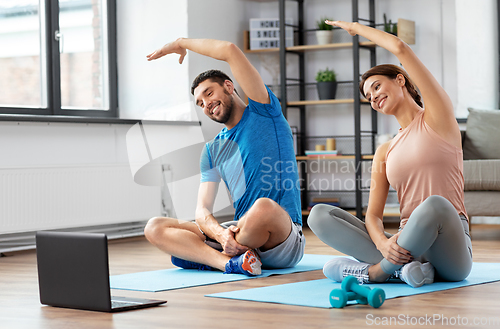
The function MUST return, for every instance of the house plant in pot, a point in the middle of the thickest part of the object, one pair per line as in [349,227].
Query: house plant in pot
[327,84]
[324,34]
[390,27]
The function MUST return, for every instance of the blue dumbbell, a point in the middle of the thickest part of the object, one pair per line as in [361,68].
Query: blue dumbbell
[339,298]
[375,297]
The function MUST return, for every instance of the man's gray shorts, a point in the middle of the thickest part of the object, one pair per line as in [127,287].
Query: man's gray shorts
[286,254]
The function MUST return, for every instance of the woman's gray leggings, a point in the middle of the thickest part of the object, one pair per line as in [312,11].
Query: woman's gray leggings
[434,233]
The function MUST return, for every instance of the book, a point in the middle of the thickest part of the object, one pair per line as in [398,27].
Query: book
[321,155]
[322,152]
[319,200]
[312,204]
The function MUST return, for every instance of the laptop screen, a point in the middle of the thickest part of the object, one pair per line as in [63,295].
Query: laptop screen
[73,270]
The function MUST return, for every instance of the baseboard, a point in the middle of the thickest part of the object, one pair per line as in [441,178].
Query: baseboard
[26,240]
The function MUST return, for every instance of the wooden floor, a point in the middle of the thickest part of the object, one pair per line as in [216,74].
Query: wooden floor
[188,308]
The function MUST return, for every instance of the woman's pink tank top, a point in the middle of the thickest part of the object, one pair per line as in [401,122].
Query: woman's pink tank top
[420,163]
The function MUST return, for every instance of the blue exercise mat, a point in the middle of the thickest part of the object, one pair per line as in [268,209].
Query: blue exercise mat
[316,293]
[176,278]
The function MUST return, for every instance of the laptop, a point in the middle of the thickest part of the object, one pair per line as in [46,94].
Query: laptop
[73,272]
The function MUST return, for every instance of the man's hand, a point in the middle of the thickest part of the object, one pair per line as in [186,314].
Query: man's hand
[229,245]
[169,48]
[393,252]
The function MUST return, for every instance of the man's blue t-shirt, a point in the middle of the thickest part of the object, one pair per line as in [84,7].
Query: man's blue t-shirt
[256,159]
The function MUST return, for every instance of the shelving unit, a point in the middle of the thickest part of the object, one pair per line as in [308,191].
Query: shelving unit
[333,157]
[302,48]
[302,103]
[366,138]
[323,102]
[352,212]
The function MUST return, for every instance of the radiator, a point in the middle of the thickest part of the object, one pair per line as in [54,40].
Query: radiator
[47,198]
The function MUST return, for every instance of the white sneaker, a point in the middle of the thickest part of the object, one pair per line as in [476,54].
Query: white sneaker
[417,274]
[338,268]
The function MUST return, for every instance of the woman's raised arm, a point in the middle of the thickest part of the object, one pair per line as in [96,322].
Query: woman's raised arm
[439,112]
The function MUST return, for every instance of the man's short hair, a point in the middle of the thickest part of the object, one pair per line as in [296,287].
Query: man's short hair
[213,75]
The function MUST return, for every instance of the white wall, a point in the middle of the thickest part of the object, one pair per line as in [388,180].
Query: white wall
[214,19]
[477,55]
[26,144]
[435,43]
[157,89]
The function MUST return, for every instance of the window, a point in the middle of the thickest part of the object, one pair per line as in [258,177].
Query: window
[21,82]
[58,57]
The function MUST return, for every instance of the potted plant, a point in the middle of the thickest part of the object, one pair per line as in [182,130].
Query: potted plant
[327,84]
[390,27]
[324,34]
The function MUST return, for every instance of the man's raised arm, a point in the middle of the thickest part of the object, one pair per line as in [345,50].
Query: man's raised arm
[243,71]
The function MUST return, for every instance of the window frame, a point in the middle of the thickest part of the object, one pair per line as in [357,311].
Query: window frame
[53,70]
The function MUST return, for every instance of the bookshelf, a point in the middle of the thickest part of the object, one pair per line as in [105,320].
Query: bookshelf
[356,152]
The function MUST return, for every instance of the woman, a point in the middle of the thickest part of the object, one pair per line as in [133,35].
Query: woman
[424,165]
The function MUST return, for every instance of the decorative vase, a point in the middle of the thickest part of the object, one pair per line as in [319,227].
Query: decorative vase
[327,89]
[324,36]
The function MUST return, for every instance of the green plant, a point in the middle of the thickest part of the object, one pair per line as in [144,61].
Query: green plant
[323,26]
[326,75]
[395,29]
[390,27]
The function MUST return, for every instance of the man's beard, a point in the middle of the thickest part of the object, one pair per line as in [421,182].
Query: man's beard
[229,110]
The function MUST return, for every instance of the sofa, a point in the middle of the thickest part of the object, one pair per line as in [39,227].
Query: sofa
[481,151]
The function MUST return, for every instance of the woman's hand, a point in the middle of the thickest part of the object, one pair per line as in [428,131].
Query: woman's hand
[393,252]
[348,26]
[229,245]
[169,48]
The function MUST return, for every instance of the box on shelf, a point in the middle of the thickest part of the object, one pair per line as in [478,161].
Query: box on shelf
[265,33]
[268,43]
[270,34]
[268,23]
[406,31]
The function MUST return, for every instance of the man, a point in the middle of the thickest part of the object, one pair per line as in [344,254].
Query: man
[254,156]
